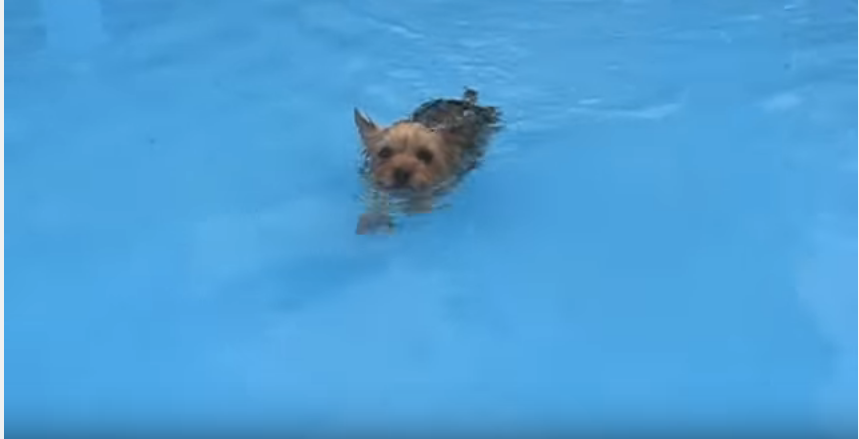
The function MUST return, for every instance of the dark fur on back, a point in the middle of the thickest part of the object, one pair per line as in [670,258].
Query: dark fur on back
[464,121]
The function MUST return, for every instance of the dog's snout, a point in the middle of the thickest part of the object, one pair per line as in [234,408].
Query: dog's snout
[401,176]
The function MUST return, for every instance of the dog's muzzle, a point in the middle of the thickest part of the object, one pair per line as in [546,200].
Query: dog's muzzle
[401,177]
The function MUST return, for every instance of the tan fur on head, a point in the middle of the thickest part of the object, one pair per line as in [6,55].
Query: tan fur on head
[406,155]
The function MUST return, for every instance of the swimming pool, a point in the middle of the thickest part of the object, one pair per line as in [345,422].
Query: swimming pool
[663,235]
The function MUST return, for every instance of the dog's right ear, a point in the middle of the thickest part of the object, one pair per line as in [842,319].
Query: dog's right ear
[366,127]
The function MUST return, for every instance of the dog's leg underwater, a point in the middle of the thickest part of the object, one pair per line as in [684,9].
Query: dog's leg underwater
[420,204]
[377,217]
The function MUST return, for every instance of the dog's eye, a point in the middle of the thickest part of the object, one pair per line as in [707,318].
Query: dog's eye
[424,155]
[385,152]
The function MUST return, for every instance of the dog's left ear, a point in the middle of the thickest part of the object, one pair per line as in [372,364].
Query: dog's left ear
[366,127]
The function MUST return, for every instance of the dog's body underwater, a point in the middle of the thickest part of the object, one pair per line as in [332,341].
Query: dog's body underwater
[414,161]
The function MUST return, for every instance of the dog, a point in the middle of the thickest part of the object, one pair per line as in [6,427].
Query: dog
[408,165]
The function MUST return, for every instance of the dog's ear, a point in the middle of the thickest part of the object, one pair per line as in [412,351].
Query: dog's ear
[366,127]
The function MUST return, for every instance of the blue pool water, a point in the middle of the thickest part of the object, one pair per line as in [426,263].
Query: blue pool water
[664,235]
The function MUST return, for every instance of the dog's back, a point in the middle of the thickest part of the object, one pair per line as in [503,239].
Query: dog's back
[470,124]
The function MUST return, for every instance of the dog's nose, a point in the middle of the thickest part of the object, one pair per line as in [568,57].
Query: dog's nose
[401,176]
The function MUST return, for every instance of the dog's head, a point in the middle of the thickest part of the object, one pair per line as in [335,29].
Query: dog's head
[406,156]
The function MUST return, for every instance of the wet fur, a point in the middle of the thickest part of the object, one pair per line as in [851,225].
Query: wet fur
[414,161]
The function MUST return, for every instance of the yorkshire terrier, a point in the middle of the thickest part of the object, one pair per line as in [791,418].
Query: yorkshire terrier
[410,164]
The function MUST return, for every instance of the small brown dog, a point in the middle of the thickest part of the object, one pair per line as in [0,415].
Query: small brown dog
[414,161]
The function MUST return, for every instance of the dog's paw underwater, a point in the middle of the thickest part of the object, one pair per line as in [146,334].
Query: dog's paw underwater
[413,162]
